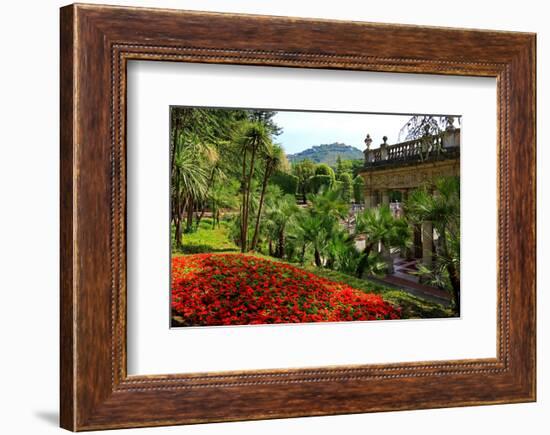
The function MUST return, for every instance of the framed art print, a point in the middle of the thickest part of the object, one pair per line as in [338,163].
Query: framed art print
[288,217]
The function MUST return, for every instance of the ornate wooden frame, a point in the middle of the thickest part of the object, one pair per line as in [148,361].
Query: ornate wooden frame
[96,43]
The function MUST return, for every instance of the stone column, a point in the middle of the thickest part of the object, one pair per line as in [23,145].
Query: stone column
[369,198]
[427,243]
[386,255]
[385,197]
[384,149]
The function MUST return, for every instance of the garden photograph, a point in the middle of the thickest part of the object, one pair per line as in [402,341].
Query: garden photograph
[282,217]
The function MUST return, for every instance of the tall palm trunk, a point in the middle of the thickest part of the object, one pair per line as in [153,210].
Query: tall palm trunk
[280,251]
[248,189]
[455,283]
[267,174]
[178,124]
[361,266]
[317,257]
[178,218]
[190,211]
[178,232]
[243,182]
[205,202]
[454,277]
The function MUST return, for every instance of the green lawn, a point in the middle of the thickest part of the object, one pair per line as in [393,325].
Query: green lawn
[205,239]
[411,306]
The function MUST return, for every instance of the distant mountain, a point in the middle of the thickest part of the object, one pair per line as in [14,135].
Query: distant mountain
[327,153]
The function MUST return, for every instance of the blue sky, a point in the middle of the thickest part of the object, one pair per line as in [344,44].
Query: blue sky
[301,130]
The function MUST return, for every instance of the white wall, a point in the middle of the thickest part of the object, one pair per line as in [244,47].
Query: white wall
[29,215]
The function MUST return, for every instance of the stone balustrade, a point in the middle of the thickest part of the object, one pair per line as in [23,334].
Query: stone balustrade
[444,145]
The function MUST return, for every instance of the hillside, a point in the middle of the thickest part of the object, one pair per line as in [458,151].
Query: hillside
[327,153]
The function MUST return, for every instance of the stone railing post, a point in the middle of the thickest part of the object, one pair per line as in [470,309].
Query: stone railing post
[367,152]
[384,149]
[451,138]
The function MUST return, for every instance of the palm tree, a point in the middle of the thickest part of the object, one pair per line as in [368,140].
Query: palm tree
[312,231]
[378,225]
[281,212]
[252,138]
[320,220]
[328,204]
[189,182]
[341,252]
[195,135]
[216,173]
[442,208]
[274,158]
[222,195]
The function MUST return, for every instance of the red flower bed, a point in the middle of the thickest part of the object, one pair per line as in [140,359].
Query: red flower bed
[234,289]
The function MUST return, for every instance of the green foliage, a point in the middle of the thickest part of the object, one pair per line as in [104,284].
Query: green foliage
[223,196]
[231,188]
[358,190]
[207,239]
[265,117]
[356,166]
[378,225]
[303,170]
[346,186]
[350,167]
[320,221]
[341,252]
[196,137]
[324,169]
[281,212]
[442,208]
[253,140]
[287,182]
[319,182]
[412,307]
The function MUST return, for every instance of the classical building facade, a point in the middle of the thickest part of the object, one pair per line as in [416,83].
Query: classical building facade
[392,171]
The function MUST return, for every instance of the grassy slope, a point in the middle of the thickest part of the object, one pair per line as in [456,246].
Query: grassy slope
[412,306]
[206,239]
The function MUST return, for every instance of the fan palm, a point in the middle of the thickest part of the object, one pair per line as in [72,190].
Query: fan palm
[194,137]
[312,231]
[189,183]
[378,225]
[329,204]
[341,252]
[442,208]
[281,212]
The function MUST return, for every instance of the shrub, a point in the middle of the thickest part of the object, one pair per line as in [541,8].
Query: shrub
[347,188]
[358,190]
[317,182]
[288,183]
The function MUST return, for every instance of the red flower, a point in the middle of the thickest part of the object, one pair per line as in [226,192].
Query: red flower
[234,289]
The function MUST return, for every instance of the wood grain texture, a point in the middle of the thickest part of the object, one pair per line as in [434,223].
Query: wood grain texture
[96,44]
